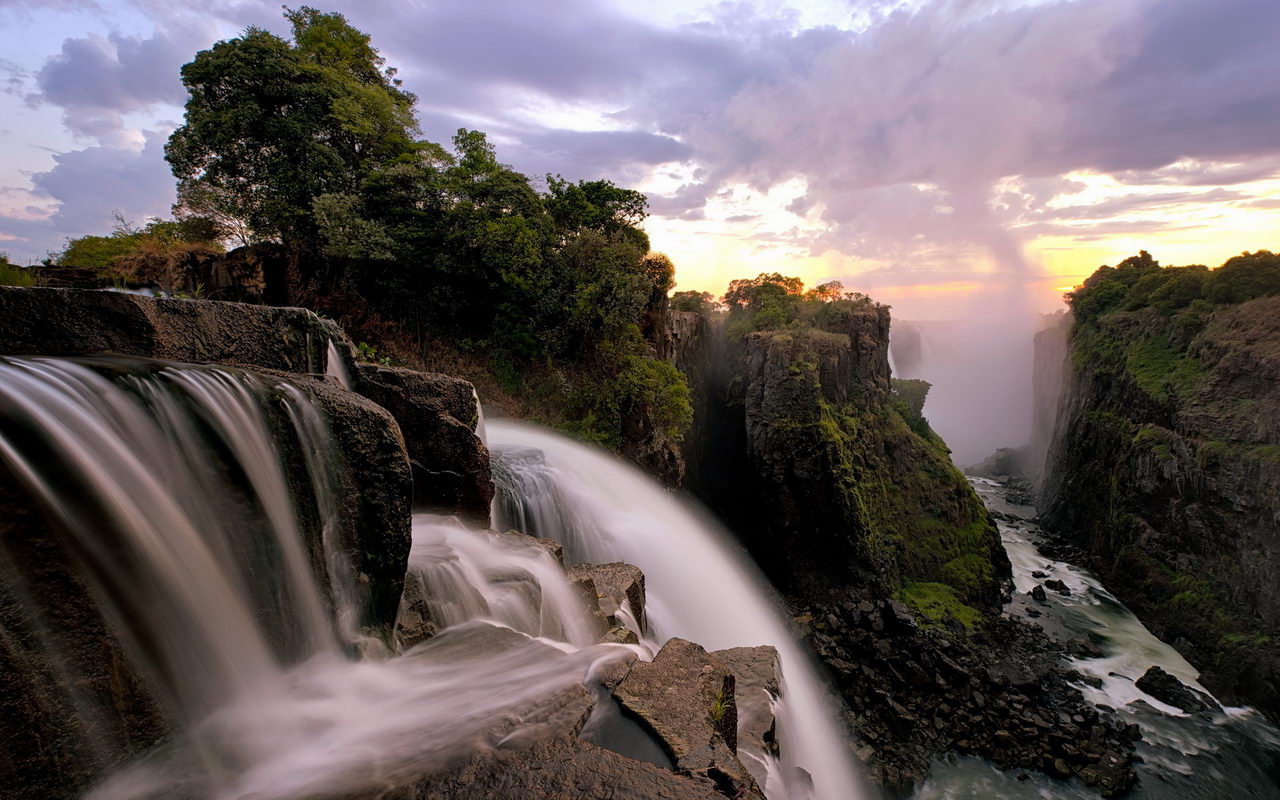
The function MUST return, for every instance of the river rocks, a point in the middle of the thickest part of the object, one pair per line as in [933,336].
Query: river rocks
[59,322]
[1058,586]
[686,698]
[1037,593]
[1004,694]
[437,415]
[757,687]
[1168,689]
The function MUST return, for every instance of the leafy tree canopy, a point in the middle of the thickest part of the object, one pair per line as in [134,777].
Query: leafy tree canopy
[1140,282]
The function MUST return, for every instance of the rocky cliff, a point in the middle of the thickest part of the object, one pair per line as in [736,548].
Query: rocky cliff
[826,470]
[1165,468]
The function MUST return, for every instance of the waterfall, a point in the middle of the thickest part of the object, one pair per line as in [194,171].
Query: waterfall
[699,586]
[334,366]
[208,549]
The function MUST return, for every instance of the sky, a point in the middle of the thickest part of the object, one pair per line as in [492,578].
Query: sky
[945,156]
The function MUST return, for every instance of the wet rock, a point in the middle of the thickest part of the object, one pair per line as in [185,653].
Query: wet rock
[1037,593]
[414,622]
[1168,689]
[686,698]
[560,768]
[1059,587]
[757,687]
[375,485]
[61,322]
[437,415]
[550,546]
[615,584]
[58,736]
[1039,574]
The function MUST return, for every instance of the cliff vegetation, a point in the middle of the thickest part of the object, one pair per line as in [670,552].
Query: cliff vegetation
[1163,464]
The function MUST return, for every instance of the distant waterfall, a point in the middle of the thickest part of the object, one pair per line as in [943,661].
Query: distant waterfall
[699,586]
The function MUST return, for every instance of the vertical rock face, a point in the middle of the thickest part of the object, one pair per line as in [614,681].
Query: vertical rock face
[847,491]
[1051,368]
[438,416]
[1165,466]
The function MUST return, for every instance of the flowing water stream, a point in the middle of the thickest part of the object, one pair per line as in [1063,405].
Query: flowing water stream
[215,557]
[1232,753]
[699,585]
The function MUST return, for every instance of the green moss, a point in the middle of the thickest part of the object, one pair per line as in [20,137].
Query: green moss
[937,602]
[1162,370]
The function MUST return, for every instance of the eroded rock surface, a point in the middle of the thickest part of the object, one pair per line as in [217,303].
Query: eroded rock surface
[686,697]
[757,687]
[1168,689]
[438,416]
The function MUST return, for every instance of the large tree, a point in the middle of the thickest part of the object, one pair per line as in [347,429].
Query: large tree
[272,125]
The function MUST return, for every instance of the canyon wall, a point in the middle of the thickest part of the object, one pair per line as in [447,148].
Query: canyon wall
[1165,468]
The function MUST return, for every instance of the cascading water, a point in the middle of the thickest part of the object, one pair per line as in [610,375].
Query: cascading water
[168,484]
[699,586]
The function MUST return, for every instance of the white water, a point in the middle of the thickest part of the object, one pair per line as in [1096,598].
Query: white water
[1232,753]
[334,366]
[699,586]
[169,483]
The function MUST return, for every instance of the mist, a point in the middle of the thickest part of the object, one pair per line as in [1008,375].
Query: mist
[980,366]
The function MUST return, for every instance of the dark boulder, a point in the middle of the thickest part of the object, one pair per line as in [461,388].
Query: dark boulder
[1168,689]
[438,416]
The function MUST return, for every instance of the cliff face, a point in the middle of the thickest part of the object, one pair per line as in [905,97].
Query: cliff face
[838,489]
[825,470]
[1165,467]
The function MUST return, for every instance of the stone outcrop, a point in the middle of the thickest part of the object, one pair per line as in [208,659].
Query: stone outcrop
[59,322]
[614,584]
[832,478]
[686,698]
[757,687]
[1165,470]
[1168,689]
[437,415]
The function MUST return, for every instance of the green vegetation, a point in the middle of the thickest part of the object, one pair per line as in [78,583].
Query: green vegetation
[720,706]
[909,395]
[1163,371]
[1139,282]
[772,301]
[937,603]
[11,275]
[309,149]
[150,253]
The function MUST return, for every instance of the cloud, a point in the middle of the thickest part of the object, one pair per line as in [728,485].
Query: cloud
[96,80]
[88,186]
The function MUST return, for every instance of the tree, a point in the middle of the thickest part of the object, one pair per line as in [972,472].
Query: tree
[271,125]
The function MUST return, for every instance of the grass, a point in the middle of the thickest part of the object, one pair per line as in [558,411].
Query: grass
[1162,371]
[720,707]
[15,276]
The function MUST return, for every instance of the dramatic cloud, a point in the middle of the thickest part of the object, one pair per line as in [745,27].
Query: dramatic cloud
[96,79]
